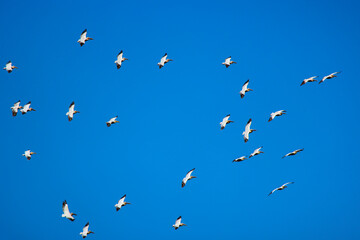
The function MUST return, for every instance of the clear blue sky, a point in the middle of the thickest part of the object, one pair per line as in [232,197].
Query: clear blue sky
[169,119]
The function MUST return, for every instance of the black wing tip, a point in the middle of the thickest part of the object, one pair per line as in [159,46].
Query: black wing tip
[87,224]
[178,218]
[249,120]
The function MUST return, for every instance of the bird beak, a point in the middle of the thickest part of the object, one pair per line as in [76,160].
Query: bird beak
[116,121]
[15,67]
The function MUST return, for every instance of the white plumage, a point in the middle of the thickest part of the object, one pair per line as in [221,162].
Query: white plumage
[112,121]
[245,89]
[67,214]
[163,61]
[178,223]
[293,153]
[83,38]
[121,203]
[240,159]
[9,67]
[71,111]
[27,108]
[225,121]
[248,130]
[311,79]
[277,113]
[187,178]
[15,108]
[228,62]
[85,231]
[256,152]
[329,76]
[28,154]
[280,188]
[120,59]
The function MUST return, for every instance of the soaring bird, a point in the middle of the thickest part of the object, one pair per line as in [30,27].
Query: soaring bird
[245,89]
[112,121]
[163,61]
[66,211]
[225,121]
[86,231]
[120,59]
[293,153]
[15,108]
[71,111]
[83,38]
[277,113]
[121,203]
[28,154]
[240,159]
[280,188]
[228,62]
[9,67]
[27,108]
[312,79]
[256,152]
[187,178]
[178,223]
[248,130]
[329,76]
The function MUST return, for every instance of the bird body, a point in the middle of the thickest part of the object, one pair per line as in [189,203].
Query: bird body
[9,67]
[329,76]
[256,152]
[228,62]
[293,153]
[248,130]
[15,108]
[225,121]
[83,38]
[163,61]
[245,89]
[28,154]
[277,113]
[280,188]
[67,214]
[120,59]
[187,178]
[240,159]
[112,121]
[71,111]
[85,231]
[178,223]
[121,203]
[311,79]
[27,108]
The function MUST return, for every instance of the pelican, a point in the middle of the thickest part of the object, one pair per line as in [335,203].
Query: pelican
[112,121]
[277,113]
[71,111]
[163,61]
[280,188]
[329,76]
[178,223]
[245,89]
[83,38]
[187,178]
[240,159]
[120,59]
[248,130]
[312,79]
[228,62]
[15,108]
[121,203]
[225,121]
[9,67]
[28,154]
[86,231]
[27,108]
[256,152]
[293,153]
[66,211]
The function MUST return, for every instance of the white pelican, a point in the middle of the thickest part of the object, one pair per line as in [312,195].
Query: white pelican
[312,79]
[15,108]
[28,154]
[280,188]
[329,76]
[27,108]
[9,67]
[163,61]
[187,177]
[120,59]
[112,121]
[66,211]
[83,38]
[240,159]
[256,152]
[245,89]
[178,223]
[293,153]
[248,130]
[225,121]
[71,111]
[228,62]
[277,113]
[86,231]
[121,203]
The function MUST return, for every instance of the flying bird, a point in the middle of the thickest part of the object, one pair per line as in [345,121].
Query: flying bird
[15,108]
[329,76]
[225,121]
[112,121]
[121,203]
[163,61]
[256,152]
[9,67]
[277,113]
[280,188]
[85,231]
[27,108]
[120,59]
[67,214]
[312,79]
[71,111]
[83,38]
[245,89]
[228,62]
[240,159]
[248,130]
[293,153]
[187,178]
[178,223]
[28,154]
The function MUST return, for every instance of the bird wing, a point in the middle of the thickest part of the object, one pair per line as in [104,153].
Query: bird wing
[122,200]
[120,55]
[26,107]
[287,184]
[178,221]
[17,104]
[227,61]
[83,34]
[163,59]
[245,85]
[71,107]
[247,127]
[86,228]
[273,191]
[189,173]
[65,207]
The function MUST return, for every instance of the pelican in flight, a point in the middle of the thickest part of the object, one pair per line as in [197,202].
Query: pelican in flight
[245,89]
[85,231]
[293,153]
[240,159]
[67,213]
[256,152]
[121,203]
[248,130]
[178,223]
[277,113]
[120,59]
[28,154]
[15,108]
[71,111]
[329,76]
[225,121]
[280,188]
[187,178]
[312,79]
[228,62]
[83,38]
[9,67]
[163,61]
[112,121]
[27,108]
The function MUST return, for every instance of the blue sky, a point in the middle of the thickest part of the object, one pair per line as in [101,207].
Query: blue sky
[169,119]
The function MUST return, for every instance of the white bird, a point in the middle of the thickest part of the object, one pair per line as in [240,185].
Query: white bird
[163,61]
[225,121]
[112,121]
[28,154]
[280,188]
[178,223]
[187,178]
[240,159]
[83,38]
[121,203]
[9,67]
[71,111]
[67,213]
[277,113]
[228,62]
[329,76]
[248,130]
[293,153]
[120,59]
[15,108]
[86,231]
[27,108]
[256,152]
[311,79]
[245,89]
